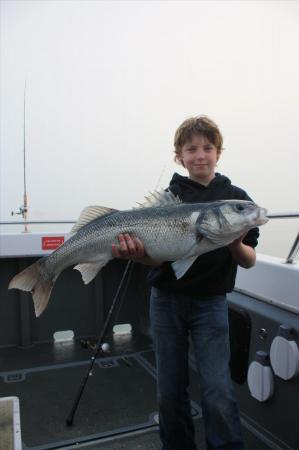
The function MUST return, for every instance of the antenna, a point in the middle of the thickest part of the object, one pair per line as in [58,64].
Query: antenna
[24,166]
[160,177]
[23,210]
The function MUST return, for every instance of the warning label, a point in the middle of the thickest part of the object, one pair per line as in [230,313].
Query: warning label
[52,242]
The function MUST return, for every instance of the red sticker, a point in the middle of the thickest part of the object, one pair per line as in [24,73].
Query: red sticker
[52,242]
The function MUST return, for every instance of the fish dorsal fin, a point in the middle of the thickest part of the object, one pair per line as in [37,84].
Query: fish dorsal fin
[90,213]
[159,198]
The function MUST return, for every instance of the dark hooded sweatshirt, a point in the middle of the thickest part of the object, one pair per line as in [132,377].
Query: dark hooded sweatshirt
[212,273]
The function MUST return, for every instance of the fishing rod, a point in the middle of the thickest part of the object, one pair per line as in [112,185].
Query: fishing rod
[23,210]
[102,348]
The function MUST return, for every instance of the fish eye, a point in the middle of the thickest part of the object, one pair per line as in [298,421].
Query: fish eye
[239,207]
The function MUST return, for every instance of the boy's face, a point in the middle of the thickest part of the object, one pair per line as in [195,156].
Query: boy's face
[199,156]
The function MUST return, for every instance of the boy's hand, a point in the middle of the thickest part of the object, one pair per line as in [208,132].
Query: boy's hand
[129,248]
[236,243]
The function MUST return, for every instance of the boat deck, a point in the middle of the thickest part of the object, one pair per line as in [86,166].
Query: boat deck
[118,408]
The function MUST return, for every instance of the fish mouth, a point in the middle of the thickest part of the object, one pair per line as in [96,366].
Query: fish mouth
[262,216]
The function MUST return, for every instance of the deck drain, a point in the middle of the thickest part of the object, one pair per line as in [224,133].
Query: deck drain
[107,364]
[14,377]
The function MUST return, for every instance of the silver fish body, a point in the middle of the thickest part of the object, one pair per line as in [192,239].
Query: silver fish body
[175,231]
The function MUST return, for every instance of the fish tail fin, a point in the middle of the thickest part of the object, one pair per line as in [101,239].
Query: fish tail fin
[31,280]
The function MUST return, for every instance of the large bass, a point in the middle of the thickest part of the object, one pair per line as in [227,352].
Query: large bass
[169,229]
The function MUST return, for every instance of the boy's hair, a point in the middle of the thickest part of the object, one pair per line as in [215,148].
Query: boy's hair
[200,125]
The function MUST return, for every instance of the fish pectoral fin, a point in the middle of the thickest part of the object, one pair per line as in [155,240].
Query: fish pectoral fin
[181,266]
[90,213]
[90,270]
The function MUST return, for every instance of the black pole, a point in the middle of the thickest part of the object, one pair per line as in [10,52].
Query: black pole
[117,299]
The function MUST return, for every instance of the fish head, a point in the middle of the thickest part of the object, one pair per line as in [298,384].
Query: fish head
[224,221]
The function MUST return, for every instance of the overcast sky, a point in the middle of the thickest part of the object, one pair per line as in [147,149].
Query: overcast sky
[108,83]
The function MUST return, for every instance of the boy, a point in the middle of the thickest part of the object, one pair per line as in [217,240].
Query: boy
[196,304]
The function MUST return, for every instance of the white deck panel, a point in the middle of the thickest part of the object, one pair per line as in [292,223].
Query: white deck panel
[271,280]
[27,244]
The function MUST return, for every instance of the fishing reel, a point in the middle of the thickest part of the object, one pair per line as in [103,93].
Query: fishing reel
[104,348]
[22,211]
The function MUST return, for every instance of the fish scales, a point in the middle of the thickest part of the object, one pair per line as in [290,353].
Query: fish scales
[153,223]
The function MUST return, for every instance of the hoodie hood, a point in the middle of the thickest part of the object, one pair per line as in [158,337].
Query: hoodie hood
[190,191]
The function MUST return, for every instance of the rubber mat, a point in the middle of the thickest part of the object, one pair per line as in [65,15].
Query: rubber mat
[120,396]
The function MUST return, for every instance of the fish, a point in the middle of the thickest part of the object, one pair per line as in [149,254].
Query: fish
[170,230]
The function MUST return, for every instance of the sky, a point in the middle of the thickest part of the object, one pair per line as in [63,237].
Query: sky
[109,82]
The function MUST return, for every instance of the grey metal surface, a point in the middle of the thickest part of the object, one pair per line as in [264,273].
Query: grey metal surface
[275,420]
[118,399]
[27,343]
[73,305]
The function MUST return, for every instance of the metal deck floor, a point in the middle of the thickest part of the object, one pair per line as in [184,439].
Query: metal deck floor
[118,407]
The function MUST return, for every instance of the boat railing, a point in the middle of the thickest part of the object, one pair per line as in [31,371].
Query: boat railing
[295,246]
[294,251]
[38,222]
[285,215]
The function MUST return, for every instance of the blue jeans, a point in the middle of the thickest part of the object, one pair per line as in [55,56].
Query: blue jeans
[175,316]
